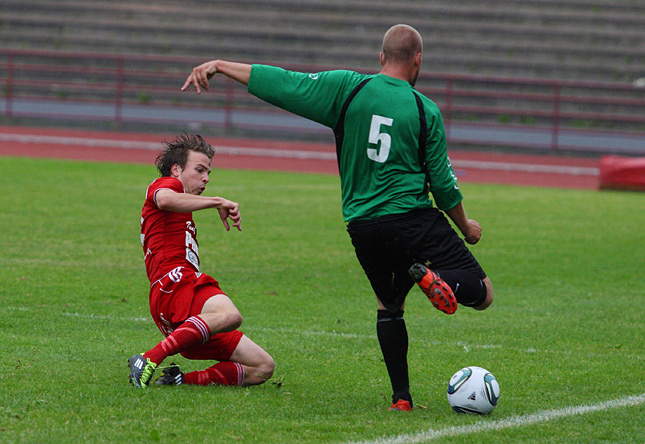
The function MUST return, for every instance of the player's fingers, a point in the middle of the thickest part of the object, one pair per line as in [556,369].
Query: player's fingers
[201,77]
[236,218]
[188,82]
[198,81]
[191,80]
[223,215]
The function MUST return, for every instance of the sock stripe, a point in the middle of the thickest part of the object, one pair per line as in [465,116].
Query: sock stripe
[240,373]
[168,344]
[201,327]
[222,373]
[202,378]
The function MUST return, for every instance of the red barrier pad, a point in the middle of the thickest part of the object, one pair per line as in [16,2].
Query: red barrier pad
[622,173]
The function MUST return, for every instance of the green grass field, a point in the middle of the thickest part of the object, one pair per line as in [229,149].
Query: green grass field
[565,336]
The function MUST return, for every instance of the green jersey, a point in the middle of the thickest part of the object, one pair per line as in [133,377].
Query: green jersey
[378,121]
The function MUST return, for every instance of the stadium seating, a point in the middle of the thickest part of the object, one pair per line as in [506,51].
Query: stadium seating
[565,39]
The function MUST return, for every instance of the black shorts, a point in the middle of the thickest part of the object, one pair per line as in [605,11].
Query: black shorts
[387,247]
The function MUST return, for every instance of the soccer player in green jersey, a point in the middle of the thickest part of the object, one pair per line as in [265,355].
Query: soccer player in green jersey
[392,157]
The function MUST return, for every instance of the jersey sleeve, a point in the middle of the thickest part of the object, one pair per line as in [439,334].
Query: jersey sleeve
[169,183]
[318,96]
[443,186]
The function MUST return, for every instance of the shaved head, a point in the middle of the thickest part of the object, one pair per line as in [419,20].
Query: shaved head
[401,43]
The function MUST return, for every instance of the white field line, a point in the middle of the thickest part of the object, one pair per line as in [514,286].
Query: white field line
[514,421]
[109,317]
[291,154]
[467,347]
[333,334]
[133,144]
[527,168]
[80,141]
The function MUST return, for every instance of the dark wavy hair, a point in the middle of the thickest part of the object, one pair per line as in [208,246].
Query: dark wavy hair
[176,152]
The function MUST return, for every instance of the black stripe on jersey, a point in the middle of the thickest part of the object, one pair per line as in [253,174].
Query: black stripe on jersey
[423,134]
[339,130]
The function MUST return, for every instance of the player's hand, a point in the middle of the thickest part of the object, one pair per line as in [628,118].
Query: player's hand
[200,76]
[230,210]
[473,232]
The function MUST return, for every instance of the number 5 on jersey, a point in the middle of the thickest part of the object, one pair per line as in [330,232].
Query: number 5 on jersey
[379,155]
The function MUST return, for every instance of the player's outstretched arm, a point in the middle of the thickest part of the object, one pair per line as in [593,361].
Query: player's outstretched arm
[201,74]
[169,200]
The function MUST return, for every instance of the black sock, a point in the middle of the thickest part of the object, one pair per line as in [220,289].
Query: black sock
[469,290]
[393,338]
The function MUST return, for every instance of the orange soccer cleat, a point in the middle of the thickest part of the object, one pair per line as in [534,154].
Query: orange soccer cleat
[438,292]
[401,406]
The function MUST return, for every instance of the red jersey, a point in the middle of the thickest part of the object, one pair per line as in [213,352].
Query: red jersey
[169,239]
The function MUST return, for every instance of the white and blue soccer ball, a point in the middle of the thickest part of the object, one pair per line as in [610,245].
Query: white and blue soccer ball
[473,390]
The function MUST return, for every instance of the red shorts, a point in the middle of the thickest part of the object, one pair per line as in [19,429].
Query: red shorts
[180,294]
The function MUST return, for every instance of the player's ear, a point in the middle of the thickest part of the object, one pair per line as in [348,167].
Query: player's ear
[175,170]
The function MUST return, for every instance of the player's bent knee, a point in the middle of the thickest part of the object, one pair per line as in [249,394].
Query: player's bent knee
[219,311]
[489,295]
[261,372]
[265,370]
[487,302]
[258,364]
[233,320]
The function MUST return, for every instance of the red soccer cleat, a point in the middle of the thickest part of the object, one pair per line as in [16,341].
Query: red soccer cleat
[438,292]
[401,406]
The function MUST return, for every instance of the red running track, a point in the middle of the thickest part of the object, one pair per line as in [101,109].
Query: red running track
[477,167]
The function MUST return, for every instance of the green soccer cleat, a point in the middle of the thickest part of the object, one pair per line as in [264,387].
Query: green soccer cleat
[171,375]
[141,370]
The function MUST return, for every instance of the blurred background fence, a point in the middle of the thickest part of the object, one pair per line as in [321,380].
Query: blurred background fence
[119,90]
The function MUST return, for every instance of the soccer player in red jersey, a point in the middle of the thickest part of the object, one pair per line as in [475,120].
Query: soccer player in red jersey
[197,318]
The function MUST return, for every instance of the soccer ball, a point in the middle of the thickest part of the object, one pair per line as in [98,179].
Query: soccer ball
[473,390]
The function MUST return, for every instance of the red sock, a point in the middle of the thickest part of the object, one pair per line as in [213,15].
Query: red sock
[192,332]
[223,373]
